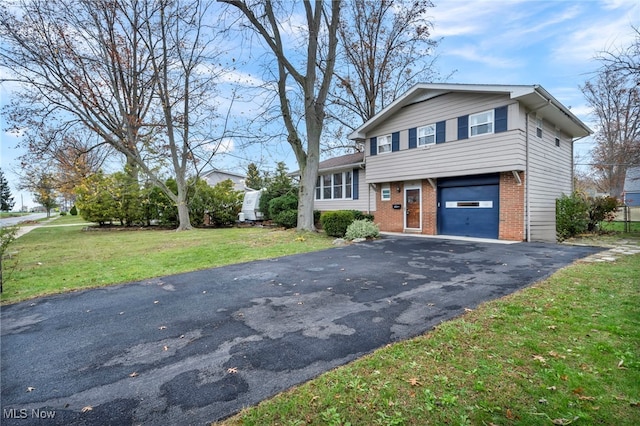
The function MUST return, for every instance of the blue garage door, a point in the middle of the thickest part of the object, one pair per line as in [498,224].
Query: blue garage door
[469,207]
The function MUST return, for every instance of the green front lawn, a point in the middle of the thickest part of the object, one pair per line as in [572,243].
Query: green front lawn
[53,258]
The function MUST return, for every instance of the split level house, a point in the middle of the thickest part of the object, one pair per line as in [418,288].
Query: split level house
[474,160]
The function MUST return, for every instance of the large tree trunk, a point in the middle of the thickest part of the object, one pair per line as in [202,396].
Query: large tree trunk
[306,194]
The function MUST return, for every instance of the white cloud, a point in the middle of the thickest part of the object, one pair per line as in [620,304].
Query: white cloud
[223,146]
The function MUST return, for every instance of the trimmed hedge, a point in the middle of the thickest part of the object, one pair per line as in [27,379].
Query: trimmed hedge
[335,223]
[287,218]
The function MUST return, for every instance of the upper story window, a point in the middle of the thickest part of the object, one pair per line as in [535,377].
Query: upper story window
[539,127]
[427,135]
[384,144]
[557,137]
[334,186]
[481,123]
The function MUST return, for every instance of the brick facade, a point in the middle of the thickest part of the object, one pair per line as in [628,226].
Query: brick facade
[511,225]
[511,207]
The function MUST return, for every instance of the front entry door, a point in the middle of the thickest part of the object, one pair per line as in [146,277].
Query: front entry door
[412,203]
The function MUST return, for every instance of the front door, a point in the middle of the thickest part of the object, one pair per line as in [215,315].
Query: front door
[412,203]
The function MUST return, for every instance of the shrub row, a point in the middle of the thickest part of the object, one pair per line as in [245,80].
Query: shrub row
[578,213]
[336,224]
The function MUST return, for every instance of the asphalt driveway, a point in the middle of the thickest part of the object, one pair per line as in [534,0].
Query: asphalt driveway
[197,347]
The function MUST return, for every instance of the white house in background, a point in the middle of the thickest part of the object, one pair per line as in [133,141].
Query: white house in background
[460,159]
[215,176]
[631,192]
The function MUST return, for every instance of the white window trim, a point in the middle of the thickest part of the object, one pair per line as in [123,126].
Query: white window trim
[540,127]
[385,188]
[429,130]
[492,121]
[387,143]
[344,185]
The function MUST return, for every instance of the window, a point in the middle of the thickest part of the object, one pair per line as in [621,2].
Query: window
[427,135]
[385,192]
[481,123]
[539,127]
[384,144]
[557,137]
[334,186]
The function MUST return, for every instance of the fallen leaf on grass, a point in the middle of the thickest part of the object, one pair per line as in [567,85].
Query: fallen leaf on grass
[414,382]
[564,377]
[586,398]
[540,358]
[564,421]
[578,391]
[510,415]
[87,408]
[620,365]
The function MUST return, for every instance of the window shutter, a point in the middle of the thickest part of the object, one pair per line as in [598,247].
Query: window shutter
[395,141]
[440,131]
[463,127]
[413,138]
[355,182]
[501,119]
[373,145]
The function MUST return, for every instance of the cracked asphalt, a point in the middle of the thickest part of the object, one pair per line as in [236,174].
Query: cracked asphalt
[197,347]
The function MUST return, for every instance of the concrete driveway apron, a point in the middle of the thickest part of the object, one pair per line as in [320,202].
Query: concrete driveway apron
[197,347]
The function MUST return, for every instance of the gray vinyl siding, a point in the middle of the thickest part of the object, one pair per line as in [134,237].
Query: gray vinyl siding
[446,107]
[365,201]
[550,176]
[491,153]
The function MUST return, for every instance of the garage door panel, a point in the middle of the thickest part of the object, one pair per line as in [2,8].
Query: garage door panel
[470,211]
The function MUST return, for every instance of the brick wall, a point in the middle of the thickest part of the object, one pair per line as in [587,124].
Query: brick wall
[511,225]
[511,207]
[389,219]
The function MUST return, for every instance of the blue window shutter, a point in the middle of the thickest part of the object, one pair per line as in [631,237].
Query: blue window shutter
[500,115]
[373,145]
[440,131]
[355,182]
[395,141]
[463,127]
[413,138]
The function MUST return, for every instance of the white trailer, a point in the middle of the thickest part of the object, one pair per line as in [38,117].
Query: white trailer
[251,207]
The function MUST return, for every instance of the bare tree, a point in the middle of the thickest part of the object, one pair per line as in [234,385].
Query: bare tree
[117,68]
[624,61]
[385,48]
[615,99]
[312,78]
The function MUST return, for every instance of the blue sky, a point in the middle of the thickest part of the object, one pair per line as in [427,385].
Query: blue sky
[551,43]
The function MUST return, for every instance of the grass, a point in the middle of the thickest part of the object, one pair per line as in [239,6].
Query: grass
[53,258]
[564,351]
[619,226]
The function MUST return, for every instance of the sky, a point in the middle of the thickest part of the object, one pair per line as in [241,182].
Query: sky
[547,42]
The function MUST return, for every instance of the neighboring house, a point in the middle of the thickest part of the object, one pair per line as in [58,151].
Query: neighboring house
[631,192]
[215,176]
[460,159]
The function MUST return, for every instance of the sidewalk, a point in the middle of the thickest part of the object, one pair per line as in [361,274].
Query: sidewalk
[24,229]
